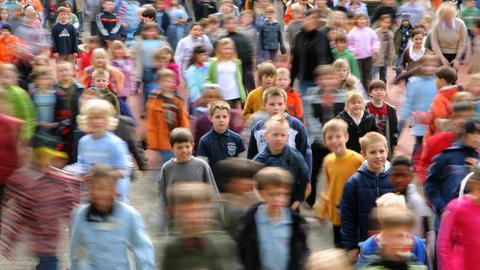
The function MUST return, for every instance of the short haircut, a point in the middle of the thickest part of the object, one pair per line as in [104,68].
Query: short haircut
[269,9]
[419,31]
[41,73]
[193,24]
[354,95]
[360,15]
[97,108]
[94,40]
[248,12]
[401,161]
[395,218]
[341,37]
[228,19]
[180,135]
[448,74]
[276,120]
[273,92]
[101,172]
[341,63]
[150,26]
[189,192]
[166,73]
[229,169]
[213,18]
[371,138]
[314,12]
[100,72]
[62,10]
[384,17]
[273,176]
[324,70]
[335,124]
[376,84]
[283,71]
[149,13]
[218,105]
[266,69]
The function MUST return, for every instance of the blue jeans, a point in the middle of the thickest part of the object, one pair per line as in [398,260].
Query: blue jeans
[304,85]
[47,262]
[382,71]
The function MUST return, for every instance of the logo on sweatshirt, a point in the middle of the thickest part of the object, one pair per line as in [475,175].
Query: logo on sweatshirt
[64,33]
[231,149]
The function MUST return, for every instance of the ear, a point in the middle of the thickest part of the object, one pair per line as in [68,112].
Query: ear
[347,136]
[364,155]
[210,118]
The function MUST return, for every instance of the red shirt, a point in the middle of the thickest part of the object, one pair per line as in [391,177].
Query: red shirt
[9,135]
[381,116]
[433,146]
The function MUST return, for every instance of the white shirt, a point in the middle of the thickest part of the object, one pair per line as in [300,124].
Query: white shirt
[227,72]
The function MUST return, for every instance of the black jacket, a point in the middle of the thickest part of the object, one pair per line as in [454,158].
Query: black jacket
[244,48]
[355,132]
[108,25]
[392,124]
[248,246]
[64,39]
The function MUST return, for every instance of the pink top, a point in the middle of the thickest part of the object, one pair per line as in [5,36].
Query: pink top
[459,235]
[363,42]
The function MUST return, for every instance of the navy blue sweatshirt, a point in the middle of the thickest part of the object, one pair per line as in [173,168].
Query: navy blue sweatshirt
[64,39]
[108,25]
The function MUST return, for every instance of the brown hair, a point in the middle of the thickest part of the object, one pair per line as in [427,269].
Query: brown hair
[323,70]
[273,92]
[62,10]
[376,84]
[180,135]
[273,176]
[189,192]
[335,124]
[448,74]
[370,138]
[266,69]
[218,105]
[166,73]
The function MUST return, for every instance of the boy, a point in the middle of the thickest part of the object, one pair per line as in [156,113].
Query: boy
[148,16]
[127,14]
[384,113]
[386,55]
[362,190]
[221,142]
[107,22]
[295,25]
[86,56]
[9,44]
[247,17]
[266,76]
[160,121]
[402,35]
[271,236]
[294,102]
[388,7]
[101,79]
[197,244]
[162,18]
[278,153]
[270,36]
[120,227]
[184,167]
[68,88]
[338,167]
[341,51]
[451,166]
[64,37]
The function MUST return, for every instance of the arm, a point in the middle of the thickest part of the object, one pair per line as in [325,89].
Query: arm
[27,113]
[247,109]
[280,40]
[119,78]
[394,127]
[101,29]
[202,150]
[348,215]
[463,39]
[54,39]
[433,183]
[252,145]
[446,240]
[406,111]
[141,245]
[119,157]
[183,116]
[117,27]
[179,53]
[375,42]
[75,40]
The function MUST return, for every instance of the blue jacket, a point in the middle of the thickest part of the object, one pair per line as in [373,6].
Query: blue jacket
[103,244]
[444,176]
[290,159]
[128,14]
[359,196]
[270,37]
[195,80]
[369,251]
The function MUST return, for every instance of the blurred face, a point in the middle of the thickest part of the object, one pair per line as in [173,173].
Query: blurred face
[459,118]
[439,83]
[332,35]
[472,140]
[182,151]
[168,84]
[311,23]
[341,46]
[418,41]
[160,5]
[276,197]
[268,81]
[174,3]
[275,105]
[194,216]
[210,95]
[43,82]
[246,19]
[401,176]
[226,8]
[119,53]
[4,14]
[448,17]
[343,73]
[282,81]
[297,15]
[8,78]
[196,31]
[100,60]
[220,120]
[64,72]
[328,82]
[102,194]
[97,124]
[321,3]
[397,242]
[101,82]
[270,15]
[470,4]
[385,23]
[202,57]
[475,89]
[240,186]
[362,22]
[378,94]
[277,137]
[405,23]
[227,51]
[5,33]
[376,155]
[355,107]
[108,6]
[149,33]
[230,25]
[336,140]
[63,17]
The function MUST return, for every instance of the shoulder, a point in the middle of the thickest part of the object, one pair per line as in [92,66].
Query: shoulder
[199,162]
[294,122]
[205,139]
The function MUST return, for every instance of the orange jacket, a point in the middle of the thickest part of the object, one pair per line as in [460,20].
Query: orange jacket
[294,104]
[158,132]
[441,107]
[7,49]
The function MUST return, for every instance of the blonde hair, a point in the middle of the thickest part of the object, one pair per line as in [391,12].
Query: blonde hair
[354,95]
[371,138]
[445,8]
[283,71]
[334,15]
[100,72]
[276,120]
[218,105]
[274,92]
[273,176]
[7,67]
[97,108]
[117,44]
[332,258]
[341,63]
[392,200]
[218,50]
[96,53]
[335,124]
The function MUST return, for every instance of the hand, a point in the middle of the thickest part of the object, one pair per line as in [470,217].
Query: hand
[353,255]
[75,55]
[455,63]
[444,61]
[295,205]
[471,162]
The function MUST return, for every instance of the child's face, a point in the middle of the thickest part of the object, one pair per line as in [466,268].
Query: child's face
[336,141]
[8,78]
[268,81]
[343,73]
[182,151]
[4,14]
[378,94]
[472,140]
[396,241]
[63,17]
[362,22]
[405,23]
[227,51]
[160,5]
[174,3]
[385,23]
[240,185]
[6,34]
[355,107]
[270,15]
[332,35]
[149,33]
[321,3]
[202,57]
[64,72]
[470,4]
[196,31]
[108,6]
[102,194]
[327,82]
[194,216]
[418,40]
[210,95]
[230,25]
[100,60]
[43,82]
[276,197]
[220,120]
[277,137]
[376,156]
[246,19]
[283,81]
[388,3]
[401,176]
[341,46]
[297,14]
[275,105]
[168,84]
[226,7]
[119,53]
[101,82]
[97,124]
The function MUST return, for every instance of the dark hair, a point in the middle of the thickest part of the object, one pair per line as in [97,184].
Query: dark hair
[418,31]
[196,51]
[376,84]
[476,22]
[149,13]
[462,106]
[401,161]
[150,26]
[273,176]
[448,74]
[180,135]
[232,168]
[193,24]
[323,70]
[384,17]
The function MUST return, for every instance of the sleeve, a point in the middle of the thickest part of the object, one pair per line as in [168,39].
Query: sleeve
[208,44]
[141,245]
[313,124]
[434,41]
[119,157]
[295,55]
[202,149]
[74,43]
[75,241]
[445,240]
[211,78]
[303,146]
[101,29]
[463,38]
[406,111]
[349,215]
[27,113]
[179,53]
[119,78]
[247,109]
[433,183]
[405,57]
[280,40]
[301,183]
[394,126]
[121,12]
[375,41]
[184,121]
[135,147]
[209,179]
[252,144]
[162,185]
[240,146]
[117,27]
[54,36]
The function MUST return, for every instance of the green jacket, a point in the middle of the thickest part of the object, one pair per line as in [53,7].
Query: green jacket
[352,62]
[22,107]
[468,16]
[212,76]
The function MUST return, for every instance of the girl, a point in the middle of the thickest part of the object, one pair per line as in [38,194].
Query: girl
[118,52]
[348,81]
[3,16]
[165,56]
[364,43]
[100,60]
[412,55]
[196,74]
[226,70]
[178,17]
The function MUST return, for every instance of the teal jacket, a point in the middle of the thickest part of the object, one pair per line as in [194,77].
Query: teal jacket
[212,76]
[22,107]
[352,62]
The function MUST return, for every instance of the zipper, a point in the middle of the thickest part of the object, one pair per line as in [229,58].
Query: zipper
[378,187]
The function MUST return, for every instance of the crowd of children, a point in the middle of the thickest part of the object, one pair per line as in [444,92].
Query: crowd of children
[253,115]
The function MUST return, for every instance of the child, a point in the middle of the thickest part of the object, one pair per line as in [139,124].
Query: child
[439,185]
[178,18]
[357,6]
[270,36]
[348,82]
[294,102]
[68,89]
[196,74]
[266,77]
[362,190]
[184,167]
[127,14]
[411,57]
[359,121]
[386,55]
[101,146]
[94,221]
[221,142]
[86,56]
[295,25]
[46,102]
[64,37]
[469,14]
[215,31]
[9,44]
[388,7]
[272,222]
[3,16]
[364,44]
[147,15]
[416,9]
[164,112]
[384,113]
[338,167]
[197,243]
[162,18]
[108,23]
[163,58]
[402,37]
[226,70]
[100,61]
[341,51]
[247,17]
[473,87]
[278,153]
[101,79]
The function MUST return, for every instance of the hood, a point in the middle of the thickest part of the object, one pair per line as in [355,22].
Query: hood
[364,169]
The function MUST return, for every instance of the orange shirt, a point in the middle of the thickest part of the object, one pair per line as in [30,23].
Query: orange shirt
[7,51]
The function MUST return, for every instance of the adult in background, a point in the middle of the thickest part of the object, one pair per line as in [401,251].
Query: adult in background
[449,35]
[310,50]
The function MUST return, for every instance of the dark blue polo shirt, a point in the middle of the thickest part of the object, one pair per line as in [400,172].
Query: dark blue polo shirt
[218,147]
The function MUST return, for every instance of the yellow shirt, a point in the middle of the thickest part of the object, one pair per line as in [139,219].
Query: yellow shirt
[336,172]
[254,103]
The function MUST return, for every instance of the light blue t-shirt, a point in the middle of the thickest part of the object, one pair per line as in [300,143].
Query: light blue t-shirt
[45,104]
[273,239]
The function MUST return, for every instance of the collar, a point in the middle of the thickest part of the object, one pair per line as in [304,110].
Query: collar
[200,64]
[226,133]
[445,27]
[285,151]
[262,217]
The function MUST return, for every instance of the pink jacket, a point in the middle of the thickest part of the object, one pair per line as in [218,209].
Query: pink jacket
[459,235]
[128,69]
[363,42]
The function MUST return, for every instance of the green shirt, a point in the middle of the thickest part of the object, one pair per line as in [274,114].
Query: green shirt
[468,15]
[22,107]
[352,62]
